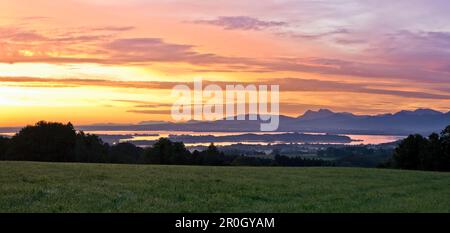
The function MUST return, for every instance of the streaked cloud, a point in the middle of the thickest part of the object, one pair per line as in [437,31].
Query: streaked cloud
[363,56]
[286,85]
[241,23]
[340,31]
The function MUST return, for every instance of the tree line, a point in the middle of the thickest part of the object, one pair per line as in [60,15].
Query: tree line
[357,155]
[57,142]
[417,152]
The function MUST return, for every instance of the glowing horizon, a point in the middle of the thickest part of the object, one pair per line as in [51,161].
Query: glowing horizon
[114,61]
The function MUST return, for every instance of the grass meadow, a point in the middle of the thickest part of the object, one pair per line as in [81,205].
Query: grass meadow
[73,187]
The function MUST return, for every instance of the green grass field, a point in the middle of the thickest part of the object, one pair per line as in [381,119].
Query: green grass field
[62,187]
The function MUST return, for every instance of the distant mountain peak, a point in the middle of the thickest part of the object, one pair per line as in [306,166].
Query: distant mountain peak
[427,111]
[152,122]
[325,111]
[420,112]
[321,113]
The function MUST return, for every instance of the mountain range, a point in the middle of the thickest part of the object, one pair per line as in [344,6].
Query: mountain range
[423,121]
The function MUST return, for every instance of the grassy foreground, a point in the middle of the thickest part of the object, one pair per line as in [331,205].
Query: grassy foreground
[61,187]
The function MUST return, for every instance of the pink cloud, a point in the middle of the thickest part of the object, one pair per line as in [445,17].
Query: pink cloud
[241,23]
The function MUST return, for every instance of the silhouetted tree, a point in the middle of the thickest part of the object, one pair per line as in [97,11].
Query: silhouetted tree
[212,156]
[417,152]
[431,155]
[445,142]
[165,151]
[90,148]
[4,146]
[45,141]
[407,154]
[125,153]
[196,158]
[56,142]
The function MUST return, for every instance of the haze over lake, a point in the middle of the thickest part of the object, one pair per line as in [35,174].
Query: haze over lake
[154,135]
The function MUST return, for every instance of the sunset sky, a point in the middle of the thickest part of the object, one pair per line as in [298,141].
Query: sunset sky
[97,61]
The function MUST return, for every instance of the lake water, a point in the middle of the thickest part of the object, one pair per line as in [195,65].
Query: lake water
[153,135]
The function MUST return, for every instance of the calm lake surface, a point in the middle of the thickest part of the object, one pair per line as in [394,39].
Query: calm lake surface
[153,135]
